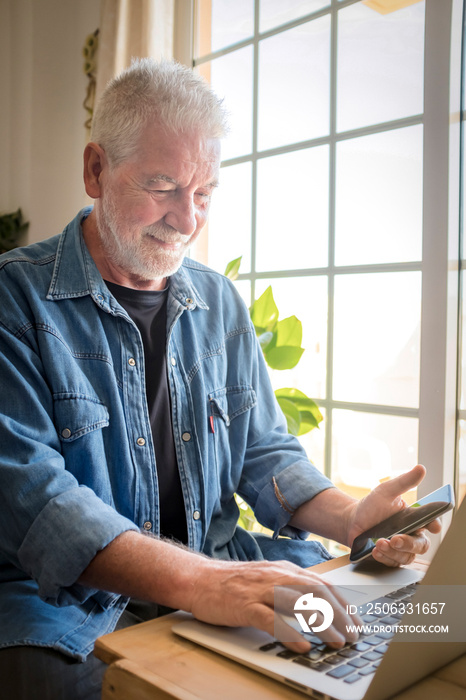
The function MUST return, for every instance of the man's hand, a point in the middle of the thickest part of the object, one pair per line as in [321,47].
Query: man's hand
[385,500]
[262,594]
[259,594]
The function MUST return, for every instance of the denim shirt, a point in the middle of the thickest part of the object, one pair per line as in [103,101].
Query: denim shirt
[77,464]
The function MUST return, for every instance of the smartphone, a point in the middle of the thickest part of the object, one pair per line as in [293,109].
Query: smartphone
[407,520]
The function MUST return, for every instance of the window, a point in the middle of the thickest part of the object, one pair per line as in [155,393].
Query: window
[462,363]
[340,188]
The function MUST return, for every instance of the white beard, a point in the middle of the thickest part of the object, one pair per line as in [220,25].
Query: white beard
[136,251]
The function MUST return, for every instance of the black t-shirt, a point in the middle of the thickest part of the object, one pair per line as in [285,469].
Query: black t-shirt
[148,310]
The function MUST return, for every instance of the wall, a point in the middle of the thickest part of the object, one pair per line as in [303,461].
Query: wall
[42,132]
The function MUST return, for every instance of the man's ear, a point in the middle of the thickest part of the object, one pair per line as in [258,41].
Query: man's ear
[94,162]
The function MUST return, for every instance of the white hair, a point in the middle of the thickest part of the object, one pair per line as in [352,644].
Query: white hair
[164,92]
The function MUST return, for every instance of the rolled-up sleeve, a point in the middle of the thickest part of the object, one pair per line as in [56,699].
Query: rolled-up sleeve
[66,535]
[285,492]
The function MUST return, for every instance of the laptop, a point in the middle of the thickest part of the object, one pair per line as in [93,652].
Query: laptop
[381,663]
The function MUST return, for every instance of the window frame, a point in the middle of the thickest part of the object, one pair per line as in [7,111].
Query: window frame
[437,414]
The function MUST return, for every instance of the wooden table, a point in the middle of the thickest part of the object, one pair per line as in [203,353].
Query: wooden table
[149,662]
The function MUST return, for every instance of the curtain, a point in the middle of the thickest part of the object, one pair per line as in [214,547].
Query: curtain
[132,28]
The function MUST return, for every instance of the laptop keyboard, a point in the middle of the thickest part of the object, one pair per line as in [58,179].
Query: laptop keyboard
[353,661]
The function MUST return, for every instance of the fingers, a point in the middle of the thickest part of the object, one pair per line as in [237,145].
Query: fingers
[390,557]
[343,622]
[400,484]
[434,527]
[289,636]
[263,617]
[401,549]
[315,609]
[266,595]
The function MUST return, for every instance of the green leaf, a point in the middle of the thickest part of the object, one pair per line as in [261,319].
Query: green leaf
[290,332]
[283,357]
[292,415]
[264,312]
[265,339]
[295,395]
[246,516]
[11,227]
[310,420]
[310,415]
[232,269]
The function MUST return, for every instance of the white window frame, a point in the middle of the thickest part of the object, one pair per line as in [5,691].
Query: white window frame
[437,413]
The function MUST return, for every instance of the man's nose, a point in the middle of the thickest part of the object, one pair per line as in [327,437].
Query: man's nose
[182,215]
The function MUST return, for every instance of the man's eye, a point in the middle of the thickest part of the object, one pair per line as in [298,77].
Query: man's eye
[157,191]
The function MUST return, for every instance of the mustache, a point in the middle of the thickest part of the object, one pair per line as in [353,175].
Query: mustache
[165,233]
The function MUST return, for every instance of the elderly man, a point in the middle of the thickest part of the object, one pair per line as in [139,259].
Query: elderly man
[135,403]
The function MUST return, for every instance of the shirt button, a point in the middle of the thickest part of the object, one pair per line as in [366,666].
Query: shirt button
[196,515]
[132,361]
[141,442]
[100,297]
[186,437]
[66,433]
[189,301]
[173,361]
[147,525]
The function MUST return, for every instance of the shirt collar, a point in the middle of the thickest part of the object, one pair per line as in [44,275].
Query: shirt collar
[75,273]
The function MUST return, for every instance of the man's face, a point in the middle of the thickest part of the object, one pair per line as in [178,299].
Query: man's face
[153,206]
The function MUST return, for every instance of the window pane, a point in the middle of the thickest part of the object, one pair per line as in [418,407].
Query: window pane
[377,338]
[294,85]
[462,460]
[231,78]
[380,65]
[461,428]
[379,198]
[314,443]
[307,299]
[462,397]
[230,219]
[369,447]
[275,12]
[223,22]
[292,210]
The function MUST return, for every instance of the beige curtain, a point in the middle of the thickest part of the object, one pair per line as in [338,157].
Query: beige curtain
[132,28]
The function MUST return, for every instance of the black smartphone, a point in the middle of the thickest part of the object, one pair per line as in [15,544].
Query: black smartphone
[407,520]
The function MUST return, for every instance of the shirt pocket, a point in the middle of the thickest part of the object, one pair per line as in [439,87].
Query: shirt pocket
[229,415]
[230,402]
[77,414]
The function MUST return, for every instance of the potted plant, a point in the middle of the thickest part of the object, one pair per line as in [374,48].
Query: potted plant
[280,341]
[11,228]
